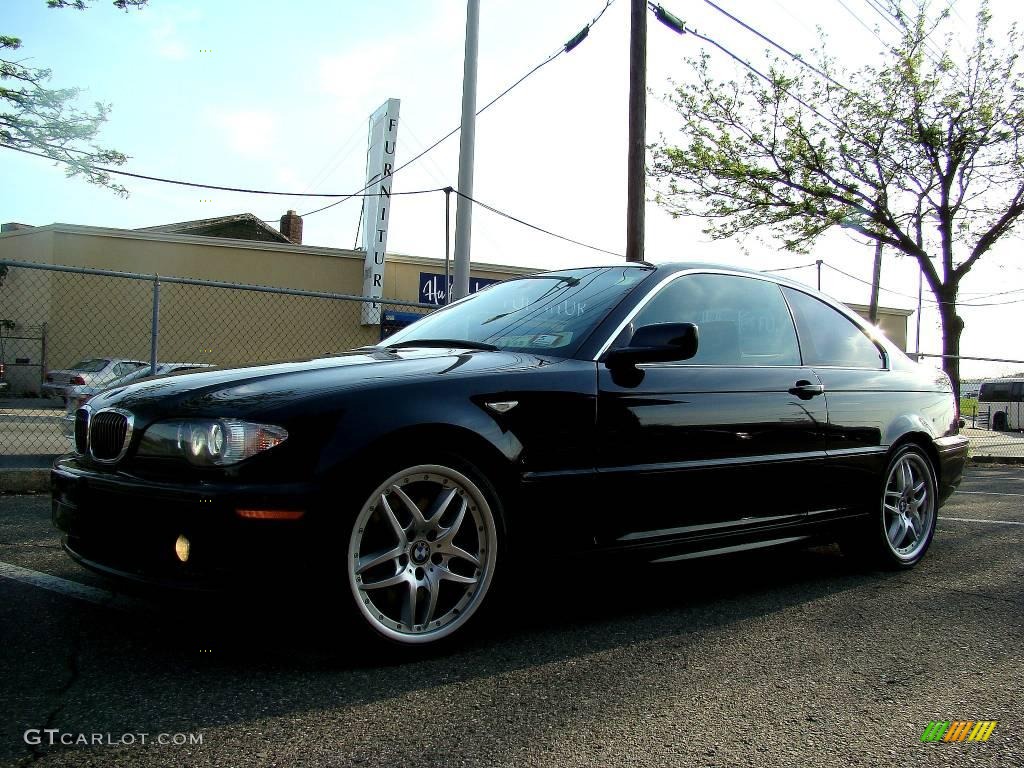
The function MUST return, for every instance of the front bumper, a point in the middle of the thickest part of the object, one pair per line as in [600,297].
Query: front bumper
[54,390]
[127,527]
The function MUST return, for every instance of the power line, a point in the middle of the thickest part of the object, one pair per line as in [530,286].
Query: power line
[568,46]
[896,22]
[509,216]
[863,23]
[794,56]
[885,15]
[338,157]
[181,183]
[762,75]
[787,269]
[929,301]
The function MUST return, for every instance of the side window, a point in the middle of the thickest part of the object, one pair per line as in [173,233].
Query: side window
[740,320]
[996,392]
[829,338]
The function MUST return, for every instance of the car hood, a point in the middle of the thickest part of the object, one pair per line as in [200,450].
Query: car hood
[261,388]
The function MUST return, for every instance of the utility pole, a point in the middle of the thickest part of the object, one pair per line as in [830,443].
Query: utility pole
[637,130]
[920,301]
[876,280]
[467,142]
[819,262]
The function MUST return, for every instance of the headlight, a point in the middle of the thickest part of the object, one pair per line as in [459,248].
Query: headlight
[210,442]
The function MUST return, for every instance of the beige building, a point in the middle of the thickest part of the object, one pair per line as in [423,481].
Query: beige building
[892,322]
[55,319]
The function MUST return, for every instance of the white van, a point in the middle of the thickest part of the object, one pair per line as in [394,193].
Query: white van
[1001,404]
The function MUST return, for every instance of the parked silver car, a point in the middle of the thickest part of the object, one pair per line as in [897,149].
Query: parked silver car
[77,395]
[99,372]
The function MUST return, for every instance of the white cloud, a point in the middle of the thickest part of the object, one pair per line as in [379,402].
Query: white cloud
[167,36]
[247,132]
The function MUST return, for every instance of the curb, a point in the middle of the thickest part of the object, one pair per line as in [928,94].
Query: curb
[25,480]
[1017,460]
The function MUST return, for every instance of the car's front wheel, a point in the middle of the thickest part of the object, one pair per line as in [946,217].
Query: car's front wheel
[422,552]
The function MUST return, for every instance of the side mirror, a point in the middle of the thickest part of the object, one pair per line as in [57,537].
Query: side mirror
[659,343]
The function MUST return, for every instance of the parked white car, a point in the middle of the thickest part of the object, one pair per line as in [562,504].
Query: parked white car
[99,372]
[76,395]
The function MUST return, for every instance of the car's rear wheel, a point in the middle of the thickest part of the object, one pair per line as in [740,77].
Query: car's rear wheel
[903,525]
[422,552]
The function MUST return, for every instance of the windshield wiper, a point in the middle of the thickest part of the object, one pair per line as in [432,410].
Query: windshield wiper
[453,343]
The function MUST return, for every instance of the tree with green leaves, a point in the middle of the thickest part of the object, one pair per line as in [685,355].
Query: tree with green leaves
[50,121]
[920,153]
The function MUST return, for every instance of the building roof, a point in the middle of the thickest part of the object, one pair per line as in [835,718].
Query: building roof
[244,226]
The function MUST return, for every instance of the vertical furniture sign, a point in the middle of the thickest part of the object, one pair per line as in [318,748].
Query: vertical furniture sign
[380,165]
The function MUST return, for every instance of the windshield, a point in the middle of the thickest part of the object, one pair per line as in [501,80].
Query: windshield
[550,313]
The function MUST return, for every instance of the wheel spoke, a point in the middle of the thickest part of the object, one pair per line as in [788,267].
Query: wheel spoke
[433,590]
[437,509]
[458,578]
[372,561]
[906,476]
[417,516]
[393,520]
[450,532]
[453,551]
[411,603]
[891,508]
[897,531]
[912,524]
[391,581]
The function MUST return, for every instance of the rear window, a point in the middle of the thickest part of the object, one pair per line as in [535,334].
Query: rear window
[829,338]
[90,366]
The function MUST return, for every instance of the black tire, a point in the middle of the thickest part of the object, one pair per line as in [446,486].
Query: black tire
[901,526]
[440,580]
[1000,423]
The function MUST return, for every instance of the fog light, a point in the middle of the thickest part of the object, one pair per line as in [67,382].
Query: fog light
[182,548]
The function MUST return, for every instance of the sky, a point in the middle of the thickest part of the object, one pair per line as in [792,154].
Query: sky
[276,95]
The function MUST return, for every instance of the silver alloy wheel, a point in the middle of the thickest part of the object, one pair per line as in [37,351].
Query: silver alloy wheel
[421,554]
[908,506]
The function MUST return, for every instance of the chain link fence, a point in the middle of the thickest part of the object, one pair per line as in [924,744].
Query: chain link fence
[125,326]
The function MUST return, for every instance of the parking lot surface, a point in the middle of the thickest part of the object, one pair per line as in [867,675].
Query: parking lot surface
[786,658]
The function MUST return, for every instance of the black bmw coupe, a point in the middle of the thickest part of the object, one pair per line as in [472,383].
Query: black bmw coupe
[666,412]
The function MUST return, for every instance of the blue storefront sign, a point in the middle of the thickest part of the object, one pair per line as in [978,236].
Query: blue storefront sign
[435,290]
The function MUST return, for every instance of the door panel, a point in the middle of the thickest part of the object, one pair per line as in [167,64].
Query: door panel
[696,450]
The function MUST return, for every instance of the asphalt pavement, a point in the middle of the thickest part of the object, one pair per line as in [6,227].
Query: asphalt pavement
[785,658]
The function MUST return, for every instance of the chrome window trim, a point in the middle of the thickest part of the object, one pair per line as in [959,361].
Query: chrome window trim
[837,306]
[130,418]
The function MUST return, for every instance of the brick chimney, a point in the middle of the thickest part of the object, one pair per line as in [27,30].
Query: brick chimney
[291,227]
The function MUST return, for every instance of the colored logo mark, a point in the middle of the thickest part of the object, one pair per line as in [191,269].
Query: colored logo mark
[959,730]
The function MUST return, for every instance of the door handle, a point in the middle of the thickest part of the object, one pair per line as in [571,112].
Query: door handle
[805,390]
